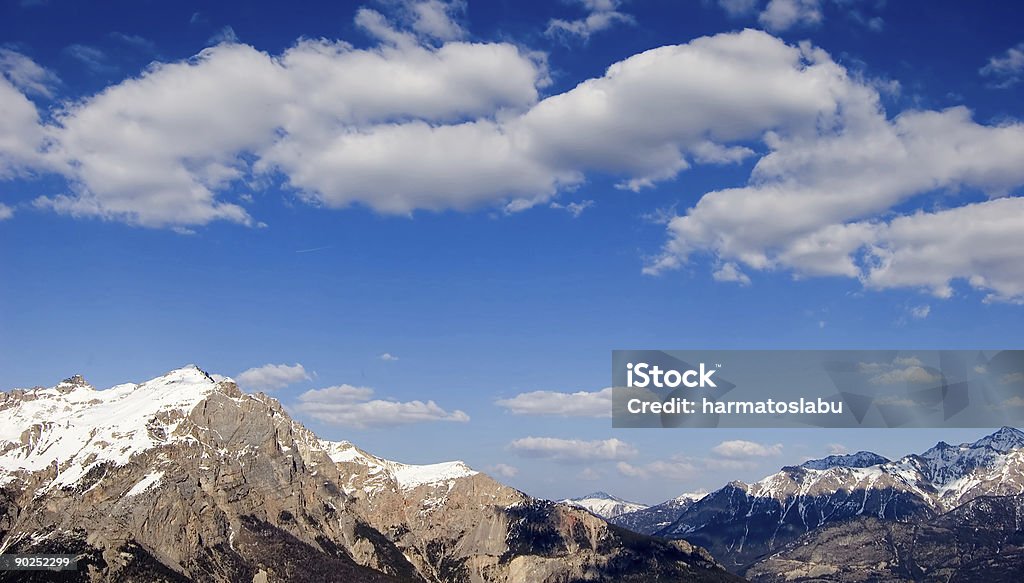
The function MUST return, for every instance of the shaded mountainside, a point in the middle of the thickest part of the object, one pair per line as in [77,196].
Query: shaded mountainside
[652,519]
[186,478]
[979,541]
[741,523]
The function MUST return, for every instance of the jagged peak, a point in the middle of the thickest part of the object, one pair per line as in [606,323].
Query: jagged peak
[861,459]
[76,380]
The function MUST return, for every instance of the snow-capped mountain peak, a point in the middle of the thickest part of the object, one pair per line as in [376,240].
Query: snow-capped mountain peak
[1004,440]
[73,426]
[604,504]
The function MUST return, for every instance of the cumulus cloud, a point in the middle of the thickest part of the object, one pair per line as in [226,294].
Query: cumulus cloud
[6,212]
[742,449]
[437,20]
[676,469]
[780,15]
[388,357]
[826,219]
[730,272]
[1007,69]
[573,450]
[578,404]
[837,449]
[503,470]
[352,406]
[271,377]
[422,123]
[601,15]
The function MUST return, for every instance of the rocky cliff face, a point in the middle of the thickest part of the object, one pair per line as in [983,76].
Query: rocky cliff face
[185,478]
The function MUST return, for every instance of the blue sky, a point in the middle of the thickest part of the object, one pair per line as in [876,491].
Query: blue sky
[468,188]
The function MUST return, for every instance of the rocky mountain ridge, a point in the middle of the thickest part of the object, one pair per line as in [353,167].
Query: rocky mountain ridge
[187,478]
[654,518]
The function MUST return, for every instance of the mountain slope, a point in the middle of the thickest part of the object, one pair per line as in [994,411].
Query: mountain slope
[186,478]
[652,519]
[979,541]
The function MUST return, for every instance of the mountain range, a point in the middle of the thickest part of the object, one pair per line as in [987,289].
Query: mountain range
[187,478]
[951,513]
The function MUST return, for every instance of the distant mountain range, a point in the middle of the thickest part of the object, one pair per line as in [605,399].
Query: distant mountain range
[186,478]
[952,513]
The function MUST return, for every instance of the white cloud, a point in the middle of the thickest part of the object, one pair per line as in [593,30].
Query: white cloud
[93,58]
[675,469]
[1012,378]
[6,212]
[574,208]
[388,357]
[22,138]
[909,374]
[920,312]
[351,406]
[729,271]
[739,7]
[578,404]
[135,41]
[826,219]
[224,35]
[436,19]
[26,75]
[503,470]
[158,150]
[573,450]
[782,15]
[601,15]
[837,449]
[460,126]
[271,377]
[1006,69]
[339,394]
[1015,401]
[742,449]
